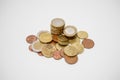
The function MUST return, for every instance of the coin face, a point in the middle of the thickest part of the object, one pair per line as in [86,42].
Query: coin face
[37,46]
[70,50]
[71,59]
[47,50]
[31,38]
[56,55]
[79,47]
[45,37]
[40,32]
[88,43]
[62,38]
[74,40]
[57,22]
[70,31]
[82,34]
[59,47]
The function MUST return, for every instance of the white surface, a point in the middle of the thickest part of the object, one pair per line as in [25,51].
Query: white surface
[19,18]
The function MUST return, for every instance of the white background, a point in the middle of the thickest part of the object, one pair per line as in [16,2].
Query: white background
[20,18]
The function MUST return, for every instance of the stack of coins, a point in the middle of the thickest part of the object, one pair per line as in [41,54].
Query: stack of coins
[57,26]
[63,42]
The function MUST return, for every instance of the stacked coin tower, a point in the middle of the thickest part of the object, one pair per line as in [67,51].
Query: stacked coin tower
[61,42]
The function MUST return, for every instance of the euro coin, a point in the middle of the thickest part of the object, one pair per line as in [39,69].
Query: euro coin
[31,38]
[47,50]
[71,59]
[70,50]
[36,46]
[88,43]
[82,34]
[79,47]
[45,37]
[70,31]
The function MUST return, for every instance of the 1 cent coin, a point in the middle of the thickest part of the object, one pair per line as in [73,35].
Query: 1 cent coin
[31,38]
[71,59]
[88,43]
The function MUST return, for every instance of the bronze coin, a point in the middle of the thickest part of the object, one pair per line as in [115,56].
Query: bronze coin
[31,38]
[56,55]
[71,59]
[88,43]
[30,48]
[55,37]
[40,53]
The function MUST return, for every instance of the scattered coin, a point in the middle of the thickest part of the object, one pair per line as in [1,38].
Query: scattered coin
[45,37]
[36,46]
[82,34]
[88,43]
[79,47]
[71,59]
[47,50]
[70,31]
[59,47]
[70,50]
[31,38]
[56,55]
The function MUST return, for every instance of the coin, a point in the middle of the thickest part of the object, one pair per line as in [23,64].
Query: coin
[74,40]
[30,48]
[71,59]
[47,50]
[37,46]
[82,34]
[40,53]
[62,38]
[62,52]
[45,37]
[56,55]
[70,31]
[31,38]
[79,47]
[40,32]
[55,37]
[70,50]
[59,47]
[88,43]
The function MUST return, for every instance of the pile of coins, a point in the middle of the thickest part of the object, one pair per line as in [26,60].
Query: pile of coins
[62,42]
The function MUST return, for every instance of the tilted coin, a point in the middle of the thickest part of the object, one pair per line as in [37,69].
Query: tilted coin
[88,43]
[59,47]
[70,31]
[31,38]
[62,38]
[82,34]
[74,40]
[47,50]
[45,37]
[79,47]
[40,32]
[71,59]
[70,50]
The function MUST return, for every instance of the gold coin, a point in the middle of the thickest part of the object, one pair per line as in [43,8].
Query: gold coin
[37,46]
[79,47]
[70,50]
[47,50]
[45,37]
[82,34]
[70,31]
[62,38]
[74,40]
[59,47]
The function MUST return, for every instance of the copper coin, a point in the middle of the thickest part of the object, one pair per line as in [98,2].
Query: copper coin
[56,55]
[40,53]
[71,59]
[30,48]
[62,52]
[55,37]
[31,38]
[88,43]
